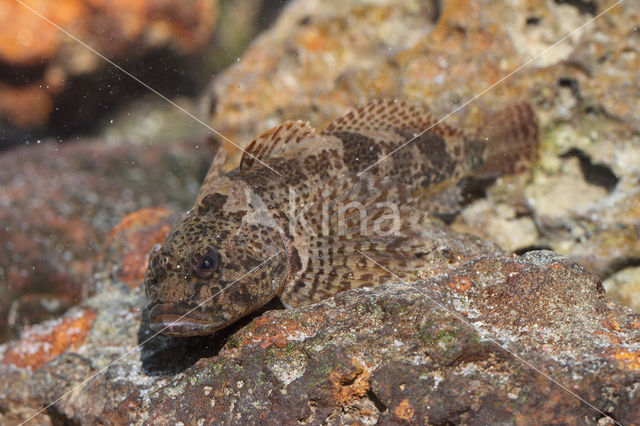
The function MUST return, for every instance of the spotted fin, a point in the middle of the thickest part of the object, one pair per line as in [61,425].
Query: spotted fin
[389,115]
[274,142]
[512,140]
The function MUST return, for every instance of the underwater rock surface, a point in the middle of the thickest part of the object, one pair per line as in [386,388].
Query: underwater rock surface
[479,343]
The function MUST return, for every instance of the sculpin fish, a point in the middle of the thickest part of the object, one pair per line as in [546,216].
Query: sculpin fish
[308,213]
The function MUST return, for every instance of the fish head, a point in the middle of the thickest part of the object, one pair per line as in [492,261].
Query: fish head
[224,260]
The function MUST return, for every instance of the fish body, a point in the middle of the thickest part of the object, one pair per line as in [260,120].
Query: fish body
[309,213]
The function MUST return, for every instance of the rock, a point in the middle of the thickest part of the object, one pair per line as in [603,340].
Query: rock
[59,202]
[47,75]
[624,286]
[498,339]
[581,198]
[133,238]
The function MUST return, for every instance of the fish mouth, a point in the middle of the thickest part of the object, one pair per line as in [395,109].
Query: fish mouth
[180,320]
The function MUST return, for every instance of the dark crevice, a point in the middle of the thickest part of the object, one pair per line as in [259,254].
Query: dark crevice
[15,75]
[167,355]
[621,264]
[305,21]
[533,20]
[527,249]
[432,10]
[349,380]
[437,10]
[376,401]
[474,188]
[571,84]
[583,6]
[594,173]
[58,418]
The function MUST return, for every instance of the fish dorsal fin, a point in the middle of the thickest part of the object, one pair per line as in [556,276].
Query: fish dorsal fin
[389,115]
[274,142]
[217,166]
[216,169]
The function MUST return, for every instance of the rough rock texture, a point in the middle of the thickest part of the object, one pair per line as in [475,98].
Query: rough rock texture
[582,198]
[478,344]
[46,74]
[58,203]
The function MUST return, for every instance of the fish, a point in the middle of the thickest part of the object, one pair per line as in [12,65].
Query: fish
[307,214]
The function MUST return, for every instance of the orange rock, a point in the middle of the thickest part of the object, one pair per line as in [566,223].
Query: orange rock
[404,410]
[41,343]
[630,360]
[350,385]
[133,238]
[25,105]
[25,38]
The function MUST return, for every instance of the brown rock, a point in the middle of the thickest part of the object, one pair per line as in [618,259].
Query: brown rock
[492,338]
[526,340]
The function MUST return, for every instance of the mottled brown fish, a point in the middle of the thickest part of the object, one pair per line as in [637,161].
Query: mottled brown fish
[296,220]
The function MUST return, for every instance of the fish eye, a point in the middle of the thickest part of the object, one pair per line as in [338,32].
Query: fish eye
[205,265]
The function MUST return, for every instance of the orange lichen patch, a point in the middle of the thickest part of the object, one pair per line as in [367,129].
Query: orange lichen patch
[556,266]
[267,332]
[404,410]
[611,324]
[40,344]
[138,219]
[133,239]
[314,40]
[630,360]
[349,385]
[460,284]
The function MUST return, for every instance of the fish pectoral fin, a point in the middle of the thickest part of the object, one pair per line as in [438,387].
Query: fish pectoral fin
[273,142]
[358,261]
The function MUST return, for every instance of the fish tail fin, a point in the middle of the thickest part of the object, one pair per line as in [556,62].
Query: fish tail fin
[512,139]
